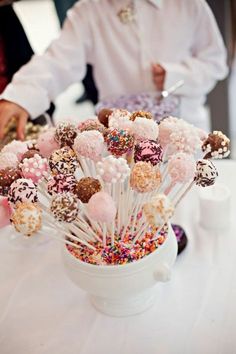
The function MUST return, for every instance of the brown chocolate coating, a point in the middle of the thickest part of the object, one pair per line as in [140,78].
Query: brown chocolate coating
[7,177]
[217,145]
[65,134]
[141,114]
[30,153]
[103,116]
[87,187]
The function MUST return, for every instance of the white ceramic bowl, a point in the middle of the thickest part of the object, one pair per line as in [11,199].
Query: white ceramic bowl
[124,290]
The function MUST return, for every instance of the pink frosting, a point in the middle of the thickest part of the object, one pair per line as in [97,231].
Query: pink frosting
[46,143]
[16,147]
[166,128]
[102,208]
[181,168]
[8,159]
[143,128]
[89,144]
[5,212]
[34,168]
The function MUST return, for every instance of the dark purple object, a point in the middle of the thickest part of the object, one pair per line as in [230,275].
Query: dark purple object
[180,237]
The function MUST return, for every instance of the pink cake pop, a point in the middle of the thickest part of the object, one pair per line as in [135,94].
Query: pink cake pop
[91,124]
[113,169]
[119,142]
[5,212]
[166,127]
[8,160]
[46,143]
[148,151]
[143,128]
[102,208]
[120,119]
[34,168]
[89,144]
[19,148]
[21,191]
[62,183]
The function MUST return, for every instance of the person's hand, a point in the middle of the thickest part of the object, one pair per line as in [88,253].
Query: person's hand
[158,74]
[8,110]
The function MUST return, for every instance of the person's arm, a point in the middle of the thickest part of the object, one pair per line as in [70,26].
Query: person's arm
[207,64]
[44,77]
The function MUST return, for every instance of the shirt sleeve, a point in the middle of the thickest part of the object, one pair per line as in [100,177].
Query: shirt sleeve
[44,77]
[207,64]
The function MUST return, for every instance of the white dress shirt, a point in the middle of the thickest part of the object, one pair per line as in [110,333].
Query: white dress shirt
[181,35]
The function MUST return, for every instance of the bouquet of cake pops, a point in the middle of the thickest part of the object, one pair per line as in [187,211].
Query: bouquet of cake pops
[109,186]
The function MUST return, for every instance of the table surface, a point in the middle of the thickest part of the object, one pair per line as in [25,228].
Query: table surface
[43,312]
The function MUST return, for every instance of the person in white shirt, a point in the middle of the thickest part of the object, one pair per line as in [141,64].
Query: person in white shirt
[139,45]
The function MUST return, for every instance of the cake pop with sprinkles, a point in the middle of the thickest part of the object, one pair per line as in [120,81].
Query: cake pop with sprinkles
[34,168]
[7,177]
[148,151]
[86,188]
[113,170]
[144,177]
[102,208]
[158,211]
[119,142]
[216,146]
[91,124]
[145,129]
[62,183]
[46,143]
[206,173]
[19,148]
[64,207]
[166,127]
[181,167]
[27,219]
[89,144]
[63,161]
[8,160]
[22,190]
[65,134]
[120,119]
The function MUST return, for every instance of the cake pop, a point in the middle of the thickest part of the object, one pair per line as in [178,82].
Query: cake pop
[8,160]
[144,177]
[181,167]
[64,207]
[144,129]
[158,211]
[216,146]
[65,134]
[206,173]
[19,148]
[63,161]
[89,144]
[119,142]
[86,188]
[113,170]
[34,168]
[62,183]
[29,154]
[46,143]
[5,212]
[103,116]
[22,190]
[7,177]
[91,124]
[120,119]
[27,219]
[148,151]
[166,127]
[141,114]
[102,208]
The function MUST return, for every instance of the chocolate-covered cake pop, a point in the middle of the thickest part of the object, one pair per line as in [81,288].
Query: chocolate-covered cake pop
[7,177]
[87,187]
[148,151]
[216,146]
[119,142]
[61,184]
[21,191]
[206,173]
[27,219]
[64,207]
[141,114]
[29,154]
[103,116]
[91,124]
[63,161]
[65,134]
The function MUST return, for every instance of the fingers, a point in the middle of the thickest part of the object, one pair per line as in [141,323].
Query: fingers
[22,120]
[158,73]
[4,119]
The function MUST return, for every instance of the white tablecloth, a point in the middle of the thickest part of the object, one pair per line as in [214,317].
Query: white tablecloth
[42,312]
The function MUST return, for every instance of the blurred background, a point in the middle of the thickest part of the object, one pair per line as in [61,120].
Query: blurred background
[41,24]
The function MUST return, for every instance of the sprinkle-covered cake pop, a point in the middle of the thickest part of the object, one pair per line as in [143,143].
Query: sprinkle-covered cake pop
[65,134]
[145,129]
[148,151]
[181,167]
[216,146]
[89,144]
[206,173]
[141,114]
[34,168]
[119,142]
[62,183]
[113,169]
[7,177]
[158,211]
[102,208]
[87,187]
[166,127]
[63,161]
[46,143]
[8,160]
[16,147]
[144,177]
[21,191]
[91,124]
[64,207]
[103,116]
[120,119]
[27,219]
